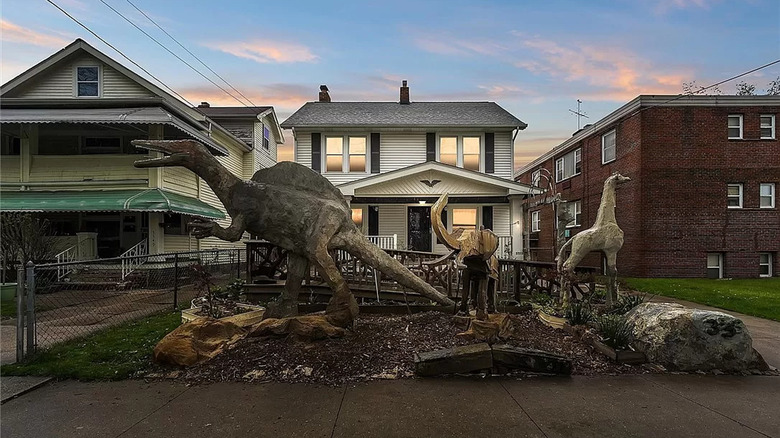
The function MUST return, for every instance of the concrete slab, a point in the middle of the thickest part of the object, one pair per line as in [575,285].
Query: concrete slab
[242,410]
[753,400]
[432,408]
[617,406]
[14,386]
[75,409]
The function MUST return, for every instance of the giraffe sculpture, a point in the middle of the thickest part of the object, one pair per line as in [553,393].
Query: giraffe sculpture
[605,235]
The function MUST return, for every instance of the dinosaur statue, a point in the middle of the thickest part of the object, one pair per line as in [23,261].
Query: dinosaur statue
[476,251]
[295,208]
[604,236]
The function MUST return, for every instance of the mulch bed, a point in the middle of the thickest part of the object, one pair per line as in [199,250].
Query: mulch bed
[382,347]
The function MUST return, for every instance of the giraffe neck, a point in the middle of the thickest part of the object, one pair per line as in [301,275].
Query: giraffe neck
[606,213]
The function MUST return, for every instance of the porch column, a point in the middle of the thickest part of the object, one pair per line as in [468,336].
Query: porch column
[349,201]
[156,235]
[28,145]
[516,214]
[155,173]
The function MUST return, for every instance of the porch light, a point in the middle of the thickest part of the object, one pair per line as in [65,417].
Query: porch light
[421,202]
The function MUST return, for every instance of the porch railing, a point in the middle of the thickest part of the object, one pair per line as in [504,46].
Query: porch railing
[384,242]
[68,255]
[131,259]
[504,250]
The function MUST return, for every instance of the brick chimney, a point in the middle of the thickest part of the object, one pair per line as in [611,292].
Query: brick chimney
[324,96]
[204,105]
[404,93]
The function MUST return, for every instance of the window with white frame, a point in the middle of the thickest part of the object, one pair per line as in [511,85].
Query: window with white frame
[734,196]
[536,177]
[535,221]
[714,265]
[266,137]
[767,126]
[765,264]
[448,150]
[461,151]
[471,151]
[464,219]
[767,195]
[88,81]
[608,147]
[570,213]
[735,126]
[345,154]
[568,165]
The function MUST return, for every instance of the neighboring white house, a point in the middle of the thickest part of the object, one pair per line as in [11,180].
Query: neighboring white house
[67,124]
[392,160]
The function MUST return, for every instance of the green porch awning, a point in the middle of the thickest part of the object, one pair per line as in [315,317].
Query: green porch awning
[143,200]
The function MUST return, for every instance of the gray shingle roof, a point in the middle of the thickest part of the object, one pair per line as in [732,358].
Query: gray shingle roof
[392,114]
[232,111]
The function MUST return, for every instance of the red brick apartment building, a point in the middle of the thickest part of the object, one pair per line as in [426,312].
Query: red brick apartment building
[702,200]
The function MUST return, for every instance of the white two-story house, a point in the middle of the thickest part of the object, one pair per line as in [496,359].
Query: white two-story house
[392,160]
[67,127]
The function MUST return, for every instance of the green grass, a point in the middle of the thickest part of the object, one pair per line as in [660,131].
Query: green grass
[757,296]
[112,354]
[8,309]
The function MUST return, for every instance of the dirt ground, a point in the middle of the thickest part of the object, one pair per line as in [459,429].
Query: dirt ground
[381,347]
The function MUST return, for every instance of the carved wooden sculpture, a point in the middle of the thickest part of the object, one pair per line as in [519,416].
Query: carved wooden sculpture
[604,236]
[475,250]
[295,208]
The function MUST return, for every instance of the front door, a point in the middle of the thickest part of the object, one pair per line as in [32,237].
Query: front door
[419,229]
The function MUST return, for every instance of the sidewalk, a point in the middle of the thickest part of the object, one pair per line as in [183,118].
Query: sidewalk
[635,406]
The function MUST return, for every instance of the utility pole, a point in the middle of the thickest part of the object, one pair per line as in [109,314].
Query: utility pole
[579,113]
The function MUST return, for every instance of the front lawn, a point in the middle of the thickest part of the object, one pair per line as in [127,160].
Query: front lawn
[112,354]
[754,296]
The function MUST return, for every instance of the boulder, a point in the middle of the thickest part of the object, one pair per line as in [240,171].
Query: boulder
[463,359]
[302,328]
[686,339]
[196,341]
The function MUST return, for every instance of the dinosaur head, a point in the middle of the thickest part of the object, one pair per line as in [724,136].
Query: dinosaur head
[184,153]
[617,178]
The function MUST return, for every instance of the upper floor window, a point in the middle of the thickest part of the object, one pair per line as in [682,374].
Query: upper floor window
[568,165]
[735,126]
[87,81]
[353,159]
[535,225]
[608,147]
[767,195]
[11,145]
[734,196]
[768,126]
[266,137]
[465,151]
[536,177]
[572,211]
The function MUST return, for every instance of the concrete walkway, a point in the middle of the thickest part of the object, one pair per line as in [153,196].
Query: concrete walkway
[624,406]
[765,332]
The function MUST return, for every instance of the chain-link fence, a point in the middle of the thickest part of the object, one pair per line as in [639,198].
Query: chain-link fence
[70,300]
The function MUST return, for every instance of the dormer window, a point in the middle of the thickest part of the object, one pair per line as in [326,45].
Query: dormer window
[87,81]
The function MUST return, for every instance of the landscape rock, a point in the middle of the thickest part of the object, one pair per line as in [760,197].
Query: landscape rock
[463,359]
[524,359]
[247,319]
[302,328]
[196,341]
[686,339]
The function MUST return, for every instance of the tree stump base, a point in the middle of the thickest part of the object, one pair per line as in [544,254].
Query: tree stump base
[497,326]
[305,328]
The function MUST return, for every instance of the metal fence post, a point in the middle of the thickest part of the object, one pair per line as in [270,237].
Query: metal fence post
[20,313]
[238,264]
[31,336]
[175,281]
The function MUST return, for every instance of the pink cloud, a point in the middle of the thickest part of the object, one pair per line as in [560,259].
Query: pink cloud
[266,51]
[14,33]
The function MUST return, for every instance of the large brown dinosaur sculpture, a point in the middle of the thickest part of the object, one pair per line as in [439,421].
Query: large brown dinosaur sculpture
[295,208]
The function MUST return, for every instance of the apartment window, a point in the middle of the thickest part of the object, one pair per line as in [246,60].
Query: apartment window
[87,81]
[765,264]
[735,126]
[734,197]
[266,137]
[536,177]
[535,221]
[767,195]
[357,217]
[608,147]
[768,126]
[448,150]
[471,153]
[357,154]
[714,265]
[571,213]
[354,160]
[568,165]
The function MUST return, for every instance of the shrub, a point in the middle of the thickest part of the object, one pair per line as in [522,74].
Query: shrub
[578,313]
[627,302]
[615,331]
[541,298]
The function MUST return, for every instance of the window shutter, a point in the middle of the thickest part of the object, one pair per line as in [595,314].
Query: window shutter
[374,152]
[487,217]
[373,220]
[316,152]
[490,152]
[430,146]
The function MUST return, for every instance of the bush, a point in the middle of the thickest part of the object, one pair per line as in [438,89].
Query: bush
[615,331]
[578,313]
[541,298]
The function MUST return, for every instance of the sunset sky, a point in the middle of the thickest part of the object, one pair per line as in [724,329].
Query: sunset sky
[534,58]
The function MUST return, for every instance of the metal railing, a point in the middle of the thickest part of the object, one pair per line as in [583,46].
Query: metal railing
[68,255]
[384,242]
[133,257]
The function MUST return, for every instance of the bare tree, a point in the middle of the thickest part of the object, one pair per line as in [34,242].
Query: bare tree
[745,89]
[24,238]
[773,88]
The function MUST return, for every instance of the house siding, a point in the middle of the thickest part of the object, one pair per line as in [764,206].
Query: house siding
[392,220]
[9,169]
[84,167]
[180,180]
[265,158]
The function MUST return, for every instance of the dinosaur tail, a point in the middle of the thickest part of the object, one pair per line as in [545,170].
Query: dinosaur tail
[357,245]
[560,258]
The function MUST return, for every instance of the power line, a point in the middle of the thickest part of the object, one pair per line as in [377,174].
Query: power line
[174,54]
[191,54]
[120,52]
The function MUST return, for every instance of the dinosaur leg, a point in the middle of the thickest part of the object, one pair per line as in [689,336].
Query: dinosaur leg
[491,298]
[287,304]
[482,299]
[611,277]
[342,308]
[466,295]
[202,229]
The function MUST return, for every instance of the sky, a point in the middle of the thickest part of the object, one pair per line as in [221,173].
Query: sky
[534,58]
